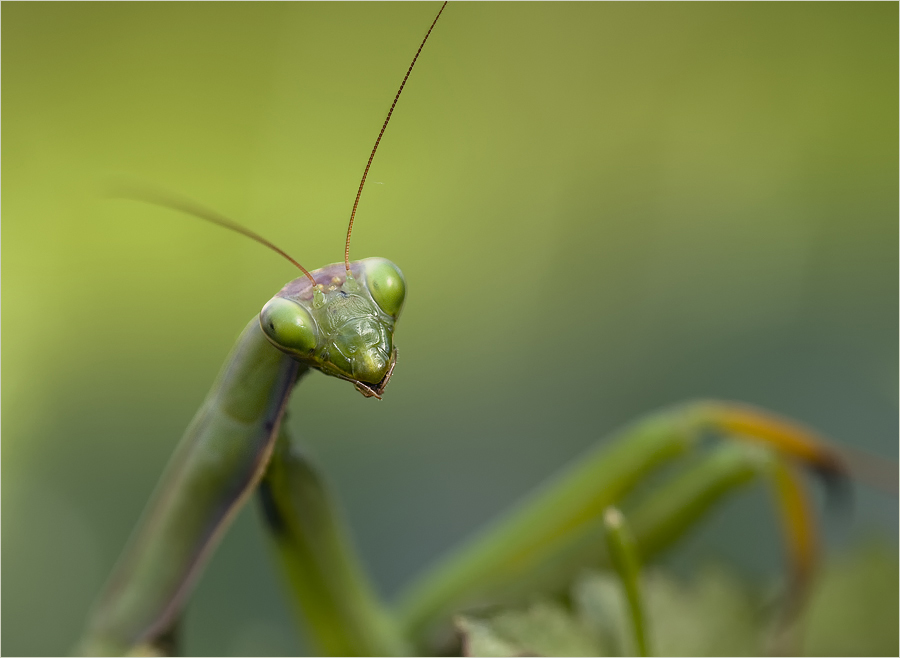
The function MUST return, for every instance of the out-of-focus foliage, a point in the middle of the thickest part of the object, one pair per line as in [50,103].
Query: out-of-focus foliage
[853,612]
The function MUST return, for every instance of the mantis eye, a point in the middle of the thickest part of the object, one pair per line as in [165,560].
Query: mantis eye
[387,285]
[289,326]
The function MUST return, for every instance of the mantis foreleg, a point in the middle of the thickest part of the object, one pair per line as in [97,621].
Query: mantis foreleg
[219,461]
[557,527]
[335,601]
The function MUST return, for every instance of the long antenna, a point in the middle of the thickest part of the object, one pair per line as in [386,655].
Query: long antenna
[182,204]
[378,141]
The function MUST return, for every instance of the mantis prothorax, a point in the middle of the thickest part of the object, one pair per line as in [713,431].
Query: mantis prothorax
[340,320]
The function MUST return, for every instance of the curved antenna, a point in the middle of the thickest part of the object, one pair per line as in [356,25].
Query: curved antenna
[185,205]
[378,141]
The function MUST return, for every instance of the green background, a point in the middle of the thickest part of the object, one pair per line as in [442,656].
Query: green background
[599,210]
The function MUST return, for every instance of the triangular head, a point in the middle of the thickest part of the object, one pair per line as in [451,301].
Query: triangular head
[343,325]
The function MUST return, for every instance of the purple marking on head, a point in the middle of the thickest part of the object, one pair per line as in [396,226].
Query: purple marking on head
[330,275]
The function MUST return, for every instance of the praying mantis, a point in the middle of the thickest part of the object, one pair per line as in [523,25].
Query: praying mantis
[340,320]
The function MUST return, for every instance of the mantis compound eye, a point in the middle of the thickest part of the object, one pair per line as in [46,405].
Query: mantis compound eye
[387,285]
[289,326]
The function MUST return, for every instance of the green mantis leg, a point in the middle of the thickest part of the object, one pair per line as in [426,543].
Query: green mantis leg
[560,525]
[335,601]
[219,461]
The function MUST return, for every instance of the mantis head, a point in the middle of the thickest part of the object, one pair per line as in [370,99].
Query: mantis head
[344,324]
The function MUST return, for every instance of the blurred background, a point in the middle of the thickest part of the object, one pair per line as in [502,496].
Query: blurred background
[599,209]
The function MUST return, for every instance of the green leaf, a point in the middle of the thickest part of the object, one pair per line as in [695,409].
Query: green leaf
[712,614]
[545,628]
[852,611]
[480,639]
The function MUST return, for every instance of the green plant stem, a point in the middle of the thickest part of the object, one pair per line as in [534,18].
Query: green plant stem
[623,555]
